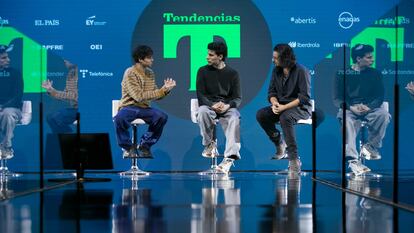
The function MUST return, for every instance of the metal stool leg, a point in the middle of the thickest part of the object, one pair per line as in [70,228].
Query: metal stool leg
[4,170]
[134,170]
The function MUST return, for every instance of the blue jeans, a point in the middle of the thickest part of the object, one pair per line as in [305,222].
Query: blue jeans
[153,117]
[61,120]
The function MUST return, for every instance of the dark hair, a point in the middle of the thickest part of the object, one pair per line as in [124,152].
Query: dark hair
[359,50]
[219,48]
[287,58]
[141,52]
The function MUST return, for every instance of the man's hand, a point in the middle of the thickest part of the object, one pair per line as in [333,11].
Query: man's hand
[278,108]
[410,87]
[169,84]
[220,107]
[359,109]
[48,85]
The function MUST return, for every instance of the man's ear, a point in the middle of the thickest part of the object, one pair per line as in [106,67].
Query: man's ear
[221,57]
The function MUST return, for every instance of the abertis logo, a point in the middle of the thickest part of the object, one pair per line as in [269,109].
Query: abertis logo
[179,32]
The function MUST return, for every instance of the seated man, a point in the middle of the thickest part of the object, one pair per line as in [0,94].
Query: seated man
[289,96]
[11,93]
[219,96]
[60,121]
[138,90]
[362,98]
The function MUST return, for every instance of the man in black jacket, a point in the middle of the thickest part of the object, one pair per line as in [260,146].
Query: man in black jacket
[219,96]
[289,96]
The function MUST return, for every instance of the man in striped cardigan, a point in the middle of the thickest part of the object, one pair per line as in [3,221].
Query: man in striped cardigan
[138,90]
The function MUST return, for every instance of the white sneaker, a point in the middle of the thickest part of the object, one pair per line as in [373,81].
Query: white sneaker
[225,165]
[6,152]
[210,151]
[370,153]
[357,167]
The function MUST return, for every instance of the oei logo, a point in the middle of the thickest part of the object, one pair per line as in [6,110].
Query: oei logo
[346,20]
[179,32]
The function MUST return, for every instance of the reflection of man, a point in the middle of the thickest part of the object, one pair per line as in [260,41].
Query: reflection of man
[289,95]
[61,120]
[363,95]
[138,90]
[11,93]
[219,96]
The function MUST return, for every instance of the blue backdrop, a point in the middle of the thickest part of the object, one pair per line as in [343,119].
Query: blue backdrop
[98,36]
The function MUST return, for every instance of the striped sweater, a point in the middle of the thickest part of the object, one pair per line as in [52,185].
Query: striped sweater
[139,88]
[70,93]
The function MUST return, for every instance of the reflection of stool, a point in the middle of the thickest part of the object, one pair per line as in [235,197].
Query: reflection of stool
[362,141]
[307,121]
[215,153]
[26,119]
[135,170]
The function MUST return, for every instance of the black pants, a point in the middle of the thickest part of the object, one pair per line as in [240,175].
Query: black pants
[287,119]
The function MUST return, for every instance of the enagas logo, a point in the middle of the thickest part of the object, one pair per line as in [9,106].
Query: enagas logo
[179,32]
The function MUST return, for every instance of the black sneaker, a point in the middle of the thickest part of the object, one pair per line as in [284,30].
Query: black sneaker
[144,152]
[280,151]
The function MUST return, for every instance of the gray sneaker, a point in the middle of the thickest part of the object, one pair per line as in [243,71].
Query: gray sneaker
[225,165]
[369,152]
[280,151]
[294,166]
[357,167]
[6,152]
[210,150]
[129,154]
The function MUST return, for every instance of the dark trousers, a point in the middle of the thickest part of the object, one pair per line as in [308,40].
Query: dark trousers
[153,117]
[287,119]
[61,120]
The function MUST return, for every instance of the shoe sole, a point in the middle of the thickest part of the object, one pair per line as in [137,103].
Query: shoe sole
[285,156]
[366,170]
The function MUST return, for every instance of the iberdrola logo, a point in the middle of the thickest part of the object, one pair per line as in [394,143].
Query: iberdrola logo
[179,32]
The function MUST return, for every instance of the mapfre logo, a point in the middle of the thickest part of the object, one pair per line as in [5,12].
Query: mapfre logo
[179,32]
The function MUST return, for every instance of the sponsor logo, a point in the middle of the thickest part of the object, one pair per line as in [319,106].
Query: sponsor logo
[3,22]
[295,44]
[55,74]
[340,44]
[398,72]
[95,74]
[46,22]
[96,47]
[92,21]
[53,46]
[179,35]
[299,20]
[4,73]
[346,20]
[400,45]
[400,20]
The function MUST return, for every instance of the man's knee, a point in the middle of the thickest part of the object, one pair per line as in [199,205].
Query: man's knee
[203,113]
[261,115]
[10,115]
[286,119]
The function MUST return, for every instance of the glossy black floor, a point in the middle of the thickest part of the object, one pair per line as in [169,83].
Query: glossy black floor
[188,202]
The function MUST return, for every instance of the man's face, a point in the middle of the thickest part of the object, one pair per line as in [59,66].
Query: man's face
[4,61]
[366,61]
[147,61]
[275,58]
[213,59]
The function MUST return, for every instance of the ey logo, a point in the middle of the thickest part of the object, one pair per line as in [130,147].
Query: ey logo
[179,32]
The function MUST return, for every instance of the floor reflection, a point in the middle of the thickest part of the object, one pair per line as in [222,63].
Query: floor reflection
[239,202]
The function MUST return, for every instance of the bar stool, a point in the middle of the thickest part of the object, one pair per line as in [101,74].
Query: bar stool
[134,170]
[25,120]
[213,165]
[307,121]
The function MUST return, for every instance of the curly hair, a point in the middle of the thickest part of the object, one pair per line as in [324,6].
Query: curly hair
[141,52]
[287,58]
